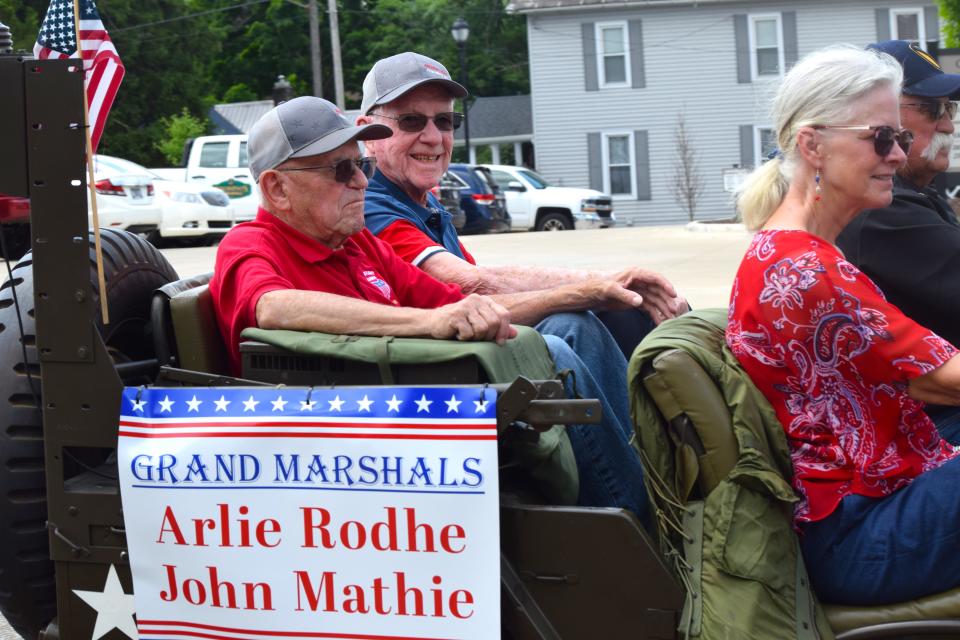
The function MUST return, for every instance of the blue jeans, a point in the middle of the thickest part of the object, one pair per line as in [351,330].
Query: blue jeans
[610,471]
[947,420]
[903,546]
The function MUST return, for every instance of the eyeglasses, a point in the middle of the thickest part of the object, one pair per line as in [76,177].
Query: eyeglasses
[415,122]
[883,136]
[934,109]
[343,170]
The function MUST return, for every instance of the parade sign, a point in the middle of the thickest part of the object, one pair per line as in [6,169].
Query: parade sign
[312,513]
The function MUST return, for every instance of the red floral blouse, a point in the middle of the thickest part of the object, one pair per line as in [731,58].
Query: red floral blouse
[833,357]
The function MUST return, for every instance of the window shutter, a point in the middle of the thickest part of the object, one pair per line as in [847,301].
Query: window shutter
[788,20]
[743,47]
[589,39]
[746,146]
[595,159]
[931,21]
[637,74]
[642,154]
[883,24]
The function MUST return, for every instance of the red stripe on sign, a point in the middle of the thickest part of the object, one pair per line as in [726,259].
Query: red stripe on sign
[260,632]
[284,434]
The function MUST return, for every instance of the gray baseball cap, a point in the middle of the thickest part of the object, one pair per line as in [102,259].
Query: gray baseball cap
[304,126]
[392,77]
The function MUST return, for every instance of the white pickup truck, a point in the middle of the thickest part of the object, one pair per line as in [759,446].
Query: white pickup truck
[533,203]
[220,161]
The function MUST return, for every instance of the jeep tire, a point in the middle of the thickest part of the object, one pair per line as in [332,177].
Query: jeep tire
[133,269]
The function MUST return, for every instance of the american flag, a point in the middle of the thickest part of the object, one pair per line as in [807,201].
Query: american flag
[102,68]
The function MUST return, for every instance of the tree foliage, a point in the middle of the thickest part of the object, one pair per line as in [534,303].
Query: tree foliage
[950,12]
[177,130]
[191,54]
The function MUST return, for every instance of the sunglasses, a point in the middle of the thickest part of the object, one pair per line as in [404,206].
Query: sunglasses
[934,109]
[343,170]
[883,136]
[415,122]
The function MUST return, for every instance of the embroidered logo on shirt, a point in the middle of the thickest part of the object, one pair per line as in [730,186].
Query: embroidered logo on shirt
[379,283]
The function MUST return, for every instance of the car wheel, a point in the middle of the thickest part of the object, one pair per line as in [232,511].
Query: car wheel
[133,269]
[554,222]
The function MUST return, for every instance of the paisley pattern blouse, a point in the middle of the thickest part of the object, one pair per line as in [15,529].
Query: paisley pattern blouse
[833,357]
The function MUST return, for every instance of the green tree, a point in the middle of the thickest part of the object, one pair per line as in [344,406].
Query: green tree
[950,12]
[177,130]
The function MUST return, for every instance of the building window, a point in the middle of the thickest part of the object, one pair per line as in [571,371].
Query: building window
[619,164]
[907,24]
[764,143]
[766,46]
[612,50]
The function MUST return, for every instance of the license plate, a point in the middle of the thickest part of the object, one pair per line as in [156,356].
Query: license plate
[136,193]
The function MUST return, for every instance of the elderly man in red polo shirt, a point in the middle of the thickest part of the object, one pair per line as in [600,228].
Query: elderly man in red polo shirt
[307,263]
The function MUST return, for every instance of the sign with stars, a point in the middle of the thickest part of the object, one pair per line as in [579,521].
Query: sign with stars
[297,512]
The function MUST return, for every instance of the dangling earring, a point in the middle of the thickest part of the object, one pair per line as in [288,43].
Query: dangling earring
[819,189]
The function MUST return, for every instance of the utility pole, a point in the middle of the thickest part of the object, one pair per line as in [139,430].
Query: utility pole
[315,48]
[335,48]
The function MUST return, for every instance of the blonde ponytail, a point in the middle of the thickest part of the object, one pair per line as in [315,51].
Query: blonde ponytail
[761,193]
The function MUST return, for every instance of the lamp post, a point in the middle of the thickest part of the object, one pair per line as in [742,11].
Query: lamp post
[460,32]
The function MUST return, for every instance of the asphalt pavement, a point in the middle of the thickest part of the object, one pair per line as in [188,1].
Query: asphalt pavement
[701,262]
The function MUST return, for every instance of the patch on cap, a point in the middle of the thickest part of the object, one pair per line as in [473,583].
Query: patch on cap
[440,71]
[915,47]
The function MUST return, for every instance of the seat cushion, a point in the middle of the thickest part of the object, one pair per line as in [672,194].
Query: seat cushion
[941,606]
[199,344]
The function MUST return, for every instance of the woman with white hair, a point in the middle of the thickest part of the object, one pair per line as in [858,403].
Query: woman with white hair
[846,371]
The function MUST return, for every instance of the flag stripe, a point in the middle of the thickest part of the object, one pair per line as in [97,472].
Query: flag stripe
[103,70]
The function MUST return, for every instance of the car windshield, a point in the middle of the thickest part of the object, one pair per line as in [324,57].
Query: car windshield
[535,179]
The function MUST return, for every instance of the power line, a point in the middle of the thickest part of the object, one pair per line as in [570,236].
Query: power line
[188,16]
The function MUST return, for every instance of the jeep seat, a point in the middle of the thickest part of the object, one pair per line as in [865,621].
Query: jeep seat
[698,422]
[186,334]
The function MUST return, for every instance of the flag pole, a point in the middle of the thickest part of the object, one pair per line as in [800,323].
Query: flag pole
[98,252]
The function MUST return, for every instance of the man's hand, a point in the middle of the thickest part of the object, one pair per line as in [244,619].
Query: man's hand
[475,317]
[660,298]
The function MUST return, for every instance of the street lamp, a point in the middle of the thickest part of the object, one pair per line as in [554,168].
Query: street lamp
[460,32]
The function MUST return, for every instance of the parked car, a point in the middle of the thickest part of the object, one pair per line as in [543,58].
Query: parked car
[189,211]
[15,226]
[448,193]
[481,199]
[534,203]
[125,196]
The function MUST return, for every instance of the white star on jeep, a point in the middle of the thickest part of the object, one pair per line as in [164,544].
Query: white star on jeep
[363,404]
[336,403]
[166,404]
[481,406]
[307,406]
[194,404]
[453,405]
[250,404]
[114,608]
[221,403]
[138,405]
[279,403]
[393,404]
[423,404]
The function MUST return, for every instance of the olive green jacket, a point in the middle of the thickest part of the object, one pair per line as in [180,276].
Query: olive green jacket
[724,504]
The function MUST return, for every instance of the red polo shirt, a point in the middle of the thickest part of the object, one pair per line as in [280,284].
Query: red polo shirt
[267,254]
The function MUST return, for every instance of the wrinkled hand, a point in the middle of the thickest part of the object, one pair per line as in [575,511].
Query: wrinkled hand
[660,298]
[475,317]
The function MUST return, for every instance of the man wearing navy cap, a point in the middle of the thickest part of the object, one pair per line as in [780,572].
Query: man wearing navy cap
[911,248]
